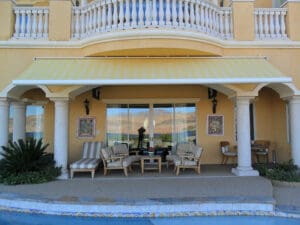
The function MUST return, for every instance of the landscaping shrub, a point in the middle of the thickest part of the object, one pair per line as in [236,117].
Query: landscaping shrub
[26,162]
[280,171]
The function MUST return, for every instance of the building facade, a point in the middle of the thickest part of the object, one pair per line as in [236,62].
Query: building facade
[185,70]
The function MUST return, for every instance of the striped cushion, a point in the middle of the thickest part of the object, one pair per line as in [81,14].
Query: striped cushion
[91,150]
[85,164]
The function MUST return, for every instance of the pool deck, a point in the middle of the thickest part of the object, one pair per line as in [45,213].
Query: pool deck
[215,192]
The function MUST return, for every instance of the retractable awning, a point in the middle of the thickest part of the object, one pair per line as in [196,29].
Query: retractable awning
[118,71]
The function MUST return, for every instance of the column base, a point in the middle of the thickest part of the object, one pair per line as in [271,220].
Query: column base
[64,175]
[244,171]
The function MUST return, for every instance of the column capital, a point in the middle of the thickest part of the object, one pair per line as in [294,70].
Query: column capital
[18,104]
[4,102]
[59,99]
[244,99]
[293,99]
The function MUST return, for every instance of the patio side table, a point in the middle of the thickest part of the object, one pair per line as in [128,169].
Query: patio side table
[155,158]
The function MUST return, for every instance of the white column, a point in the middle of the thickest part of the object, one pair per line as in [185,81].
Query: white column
[294,112]
[19,121]
[243,139]
[4,118]
[61,135]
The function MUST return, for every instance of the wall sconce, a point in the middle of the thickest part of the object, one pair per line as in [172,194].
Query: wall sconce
[212,94]
[87,106]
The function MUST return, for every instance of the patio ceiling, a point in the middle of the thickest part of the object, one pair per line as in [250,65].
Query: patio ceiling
[125,71]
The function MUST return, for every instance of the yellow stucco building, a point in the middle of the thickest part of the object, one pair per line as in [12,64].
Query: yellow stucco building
[153,66]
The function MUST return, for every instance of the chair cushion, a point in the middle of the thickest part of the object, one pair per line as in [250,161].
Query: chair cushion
[115,163]
[91,150]
[106,153]
[120,149]
[225,149]
[230,153]
[197,151]
[85,164]
[185,162]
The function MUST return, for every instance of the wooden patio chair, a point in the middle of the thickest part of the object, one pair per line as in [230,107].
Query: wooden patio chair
[226,153]
[261,149]
[188,159]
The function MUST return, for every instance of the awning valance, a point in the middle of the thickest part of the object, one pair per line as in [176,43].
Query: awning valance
[113,71]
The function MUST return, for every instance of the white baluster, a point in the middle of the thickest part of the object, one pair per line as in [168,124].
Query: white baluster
[227,34]
[99,17]
[213,17]
[206,19]
[94,18]
[82,23]
[282,23]
[192,14]
[202,17]
[256,24]
[77,24]
[197,15]
[45,26]
[109,15]
[210,19]
[221,24]
[161,13]
[103,16]
[17,24]
[23,18]
[266,24]
[186,14]
[168,13]
[28,24]
[154,13]
[141,13]
[115,15]
[260,25]
[121,14]
[272,24]
[148,13]
[34,23]
[90,15]
[277,25]
[133,14]
[87,21]
[180,14]
[216,31]
[127,14]
[174,13]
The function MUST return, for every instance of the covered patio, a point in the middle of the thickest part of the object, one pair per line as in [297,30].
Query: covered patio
[66,82]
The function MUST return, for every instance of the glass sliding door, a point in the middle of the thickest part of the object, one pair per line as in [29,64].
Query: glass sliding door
[163,124]
[138,117]
[185,122]
[123,122]
[117,123]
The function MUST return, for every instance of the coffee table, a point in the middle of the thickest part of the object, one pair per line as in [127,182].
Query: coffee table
[155,158]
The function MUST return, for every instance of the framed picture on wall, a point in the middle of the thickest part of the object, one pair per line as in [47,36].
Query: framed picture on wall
[86,127]
[215,125]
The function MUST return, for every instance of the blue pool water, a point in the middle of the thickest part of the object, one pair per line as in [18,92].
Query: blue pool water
[13,218]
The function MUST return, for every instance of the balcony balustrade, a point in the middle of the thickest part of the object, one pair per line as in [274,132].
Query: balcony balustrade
[270,23]
[113,15]
[102,16]
[31,22]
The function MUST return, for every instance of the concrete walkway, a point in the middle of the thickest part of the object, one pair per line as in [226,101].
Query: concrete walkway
[153,195]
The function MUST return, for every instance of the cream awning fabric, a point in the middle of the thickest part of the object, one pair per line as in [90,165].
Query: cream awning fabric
[107,71]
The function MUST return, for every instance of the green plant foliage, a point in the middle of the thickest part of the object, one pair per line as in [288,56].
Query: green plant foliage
[280,171]
[27,162]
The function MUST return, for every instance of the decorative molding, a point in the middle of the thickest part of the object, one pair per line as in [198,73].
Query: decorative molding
[154,81]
